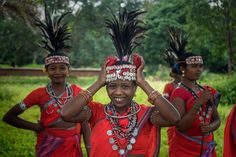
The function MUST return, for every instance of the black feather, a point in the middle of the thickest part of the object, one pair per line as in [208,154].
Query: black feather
[126,31]
[54,34]
[178,42]
[170,57]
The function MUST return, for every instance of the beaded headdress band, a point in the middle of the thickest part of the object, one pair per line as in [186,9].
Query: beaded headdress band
[57,59]
[125,31]
[123,71]
[54,34]
[177,50]
[194,60]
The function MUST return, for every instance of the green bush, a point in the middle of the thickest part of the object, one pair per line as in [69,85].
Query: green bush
[225,84]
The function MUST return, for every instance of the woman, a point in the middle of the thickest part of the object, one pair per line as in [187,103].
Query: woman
[177,43]
[55,137]
[198,108]
[123,127]
[229,134]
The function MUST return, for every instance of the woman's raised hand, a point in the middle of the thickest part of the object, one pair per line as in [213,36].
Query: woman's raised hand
[140,76]
[102,75]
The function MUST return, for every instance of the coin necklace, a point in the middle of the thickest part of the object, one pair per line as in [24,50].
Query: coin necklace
[128,132]
[69,94]
[201,112]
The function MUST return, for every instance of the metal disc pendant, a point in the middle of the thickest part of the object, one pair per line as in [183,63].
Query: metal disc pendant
[109,132]
[121,151]
[135,132]
[111,140]
[132,140]
[114,147]
[129,146]
[200,118]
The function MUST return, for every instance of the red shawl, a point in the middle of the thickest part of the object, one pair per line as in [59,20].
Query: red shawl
[230,134]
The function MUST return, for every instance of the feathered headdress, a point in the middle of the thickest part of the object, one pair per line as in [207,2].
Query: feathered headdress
[125,32]
[177,50]
[54,35]
[177,43]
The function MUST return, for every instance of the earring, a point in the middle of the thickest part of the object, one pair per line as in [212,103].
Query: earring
[182,73]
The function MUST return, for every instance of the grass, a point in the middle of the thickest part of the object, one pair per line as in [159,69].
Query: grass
[19,142]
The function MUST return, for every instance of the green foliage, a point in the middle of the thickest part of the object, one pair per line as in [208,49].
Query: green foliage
[15,47]
[208,27]
[225,85]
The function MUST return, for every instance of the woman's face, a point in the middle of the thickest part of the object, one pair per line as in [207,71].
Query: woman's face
[121,92]
[57,72]
[193,71]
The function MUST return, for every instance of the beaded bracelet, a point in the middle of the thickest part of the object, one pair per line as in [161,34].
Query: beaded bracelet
[86,95]
[89,93]
[153,96]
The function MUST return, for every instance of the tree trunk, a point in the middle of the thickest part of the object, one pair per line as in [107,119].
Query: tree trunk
[230,48]
[229,37]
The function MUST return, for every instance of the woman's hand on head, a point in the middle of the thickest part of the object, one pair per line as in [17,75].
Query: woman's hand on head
[140,75]
[102,75]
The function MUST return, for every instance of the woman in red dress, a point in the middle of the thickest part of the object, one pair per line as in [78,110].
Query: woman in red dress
[230,134]
[198,108]
[55,137]
[124,127]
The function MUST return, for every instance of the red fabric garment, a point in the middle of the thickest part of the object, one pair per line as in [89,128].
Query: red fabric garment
[188,144]
[168,89]
[230,134]
[55,142]
[65,142]
[49,110]
[146,141]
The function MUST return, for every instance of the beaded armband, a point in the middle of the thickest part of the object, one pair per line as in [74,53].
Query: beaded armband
[22,106]
[153,96]
[87,95]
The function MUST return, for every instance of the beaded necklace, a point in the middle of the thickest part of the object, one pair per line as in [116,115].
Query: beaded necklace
[203,114]
[128,132]
[60,100]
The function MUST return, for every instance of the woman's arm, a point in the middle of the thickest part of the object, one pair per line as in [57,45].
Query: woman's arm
[85,114]
[86,131]
[157,120]
[189,117]
[166,109]
[12,118]
[214,125]
[75,106]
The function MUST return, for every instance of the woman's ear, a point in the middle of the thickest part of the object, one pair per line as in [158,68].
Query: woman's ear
[181,68]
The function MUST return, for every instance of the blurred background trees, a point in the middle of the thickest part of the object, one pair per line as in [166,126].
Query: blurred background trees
[210,25]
